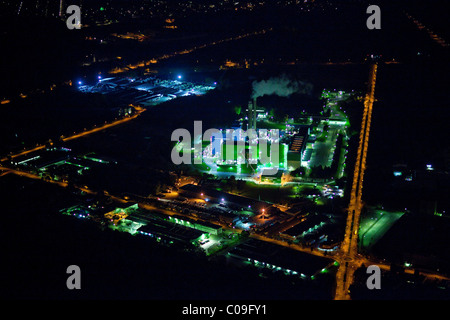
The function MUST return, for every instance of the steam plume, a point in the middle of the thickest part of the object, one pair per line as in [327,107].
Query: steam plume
[281,86]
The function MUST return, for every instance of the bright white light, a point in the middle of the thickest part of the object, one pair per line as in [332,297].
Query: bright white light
[179,76]
[79,82]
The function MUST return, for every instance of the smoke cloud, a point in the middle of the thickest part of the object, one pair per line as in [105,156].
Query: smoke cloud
[280,86]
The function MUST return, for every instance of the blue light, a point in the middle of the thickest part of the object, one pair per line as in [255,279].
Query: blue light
[179,76]
[80,83]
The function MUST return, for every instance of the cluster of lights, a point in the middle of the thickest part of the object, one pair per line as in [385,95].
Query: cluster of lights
[274,267]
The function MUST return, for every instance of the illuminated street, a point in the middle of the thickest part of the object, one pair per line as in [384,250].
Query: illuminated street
[349,247]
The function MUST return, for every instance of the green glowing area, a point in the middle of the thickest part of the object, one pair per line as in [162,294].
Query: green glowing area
[202,167]
[266,192]
[309,148]
[227,168]
[374,225]
[239,154]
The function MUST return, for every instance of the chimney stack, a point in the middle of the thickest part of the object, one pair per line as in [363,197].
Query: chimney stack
[254,113]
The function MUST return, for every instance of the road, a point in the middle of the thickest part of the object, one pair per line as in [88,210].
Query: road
[79,135]
[349,246]
[293,246]
[106,126]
